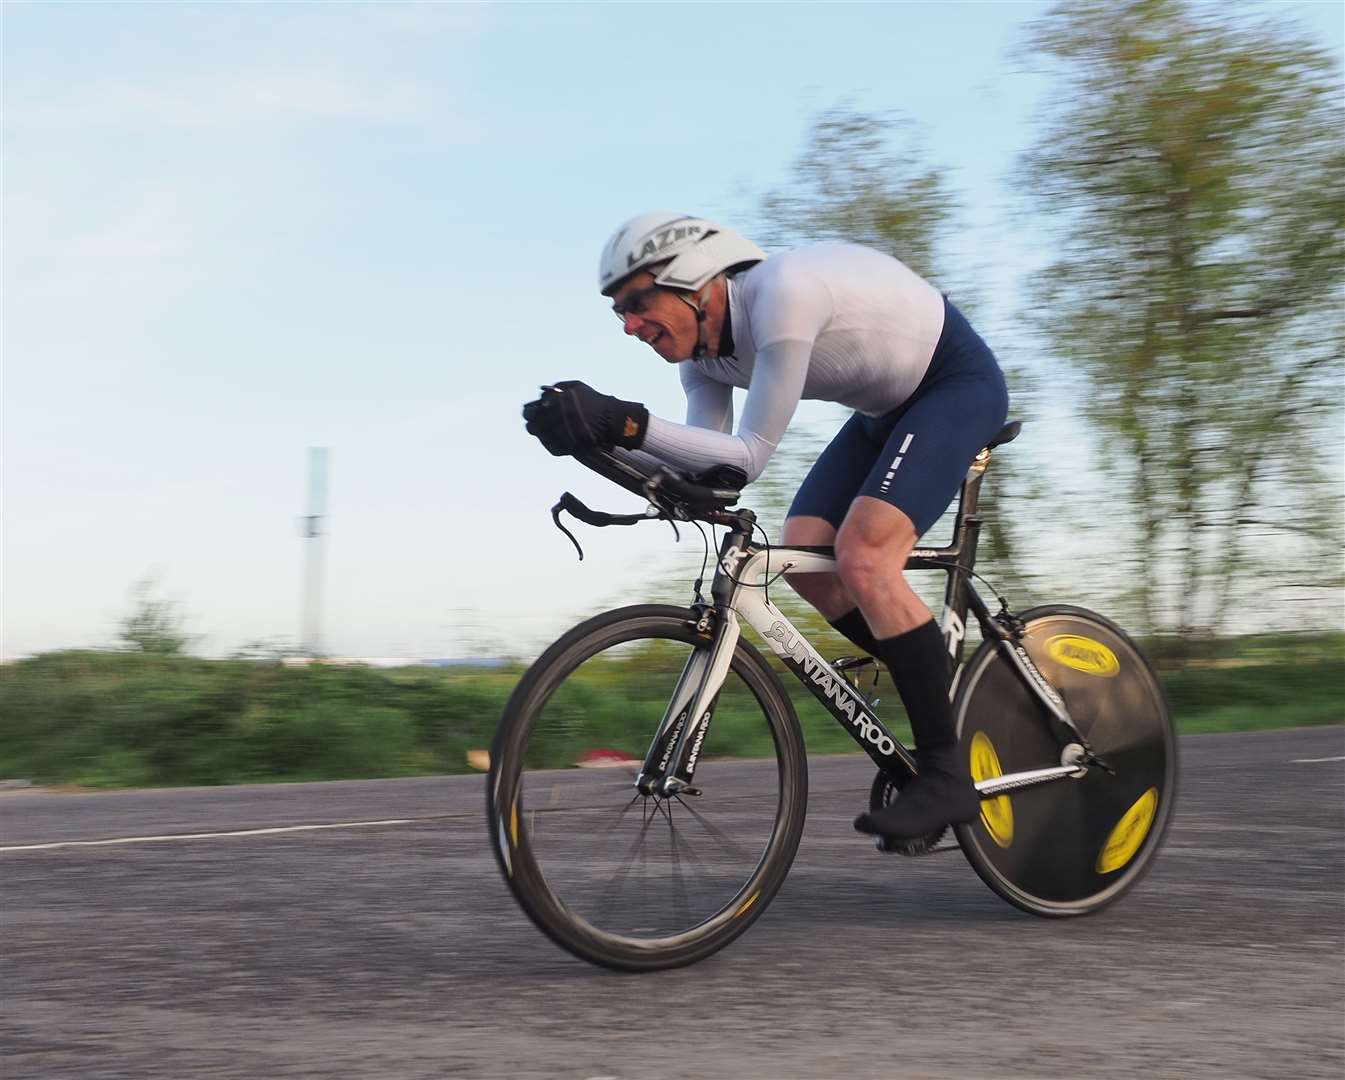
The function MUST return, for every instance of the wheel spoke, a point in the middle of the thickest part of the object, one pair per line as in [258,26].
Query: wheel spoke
[637,846]
[678,886]
[573,860]
[725,841]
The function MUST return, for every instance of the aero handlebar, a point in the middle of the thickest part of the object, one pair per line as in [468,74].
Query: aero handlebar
[672,495]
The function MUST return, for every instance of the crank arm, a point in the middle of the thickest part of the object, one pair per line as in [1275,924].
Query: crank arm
[1001,785]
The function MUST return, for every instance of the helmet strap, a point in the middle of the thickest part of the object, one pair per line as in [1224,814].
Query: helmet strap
[726,330]
[698,306]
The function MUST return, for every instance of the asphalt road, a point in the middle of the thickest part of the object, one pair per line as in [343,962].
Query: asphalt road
[394,950]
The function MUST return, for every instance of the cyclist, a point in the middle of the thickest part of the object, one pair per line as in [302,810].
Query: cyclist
[835,322]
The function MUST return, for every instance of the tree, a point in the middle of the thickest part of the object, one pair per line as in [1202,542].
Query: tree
[154,624]
[865,178]
[850,183]
[1192,168]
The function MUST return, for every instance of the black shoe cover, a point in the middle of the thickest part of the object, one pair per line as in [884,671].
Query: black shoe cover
[930,800]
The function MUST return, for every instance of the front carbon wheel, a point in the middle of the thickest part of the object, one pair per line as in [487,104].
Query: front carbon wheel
[1073,845]
[623,879]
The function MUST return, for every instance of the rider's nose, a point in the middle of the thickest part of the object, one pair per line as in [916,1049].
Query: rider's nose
[631,323]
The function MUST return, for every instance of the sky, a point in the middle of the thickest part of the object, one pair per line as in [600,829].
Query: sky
[235,232]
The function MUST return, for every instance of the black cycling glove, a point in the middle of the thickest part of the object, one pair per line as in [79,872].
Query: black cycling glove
[574,417]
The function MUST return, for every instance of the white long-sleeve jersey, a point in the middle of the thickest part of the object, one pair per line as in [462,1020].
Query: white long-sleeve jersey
[829,322]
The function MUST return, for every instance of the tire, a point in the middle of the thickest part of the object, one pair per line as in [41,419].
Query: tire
[1071,846]
[621,879]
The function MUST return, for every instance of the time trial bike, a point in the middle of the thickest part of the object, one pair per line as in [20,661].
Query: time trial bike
[648,780]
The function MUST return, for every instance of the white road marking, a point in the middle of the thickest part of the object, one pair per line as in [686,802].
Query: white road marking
[208,835]
[1314,760]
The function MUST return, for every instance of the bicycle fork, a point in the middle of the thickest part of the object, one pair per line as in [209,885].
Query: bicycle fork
[671,761]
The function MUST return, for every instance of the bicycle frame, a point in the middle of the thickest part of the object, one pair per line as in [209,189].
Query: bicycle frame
[738,593]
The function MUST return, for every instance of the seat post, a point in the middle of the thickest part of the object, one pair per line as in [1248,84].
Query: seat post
[966,534]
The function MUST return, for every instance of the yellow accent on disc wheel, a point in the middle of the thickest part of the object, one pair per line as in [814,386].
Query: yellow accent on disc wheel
[1129,833]
[1083,654]
[996,813]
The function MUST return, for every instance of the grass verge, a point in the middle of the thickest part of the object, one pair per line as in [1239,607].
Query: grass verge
[126,719]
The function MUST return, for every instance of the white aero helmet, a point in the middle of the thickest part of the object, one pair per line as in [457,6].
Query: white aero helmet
[695,250]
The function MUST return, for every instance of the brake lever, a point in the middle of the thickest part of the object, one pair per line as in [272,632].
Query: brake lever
[555,517]
[597,518]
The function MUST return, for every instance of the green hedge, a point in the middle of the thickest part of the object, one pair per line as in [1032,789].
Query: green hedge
[119,719]
[1283,693]
[131,719]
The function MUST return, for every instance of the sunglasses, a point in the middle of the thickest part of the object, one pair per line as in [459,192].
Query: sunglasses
[636,302]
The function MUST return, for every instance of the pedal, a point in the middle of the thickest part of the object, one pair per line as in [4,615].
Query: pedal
[927,845]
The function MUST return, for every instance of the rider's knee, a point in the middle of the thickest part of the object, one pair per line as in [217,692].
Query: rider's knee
[868,558]
[859,564]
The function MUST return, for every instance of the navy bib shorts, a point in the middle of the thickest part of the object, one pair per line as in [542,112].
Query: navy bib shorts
[916,456]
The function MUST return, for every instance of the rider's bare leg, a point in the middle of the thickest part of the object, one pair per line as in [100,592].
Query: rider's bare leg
[871,551]
[824,591]
[872,546]
[827,592]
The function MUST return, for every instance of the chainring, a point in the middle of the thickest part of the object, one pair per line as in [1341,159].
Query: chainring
[881,794]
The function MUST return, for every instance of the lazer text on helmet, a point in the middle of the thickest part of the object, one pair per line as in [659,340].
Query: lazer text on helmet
[661,240]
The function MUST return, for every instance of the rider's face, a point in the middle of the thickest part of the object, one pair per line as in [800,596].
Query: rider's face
[657,316]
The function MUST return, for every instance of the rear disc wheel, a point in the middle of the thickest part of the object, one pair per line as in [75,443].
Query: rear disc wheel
[1069,846]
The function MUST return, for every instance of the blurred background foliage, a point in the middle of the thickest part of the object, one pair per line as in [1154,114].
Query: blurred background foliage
[1193,178]
[1189,169]
[154,623]
[863,178]
[114,719]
